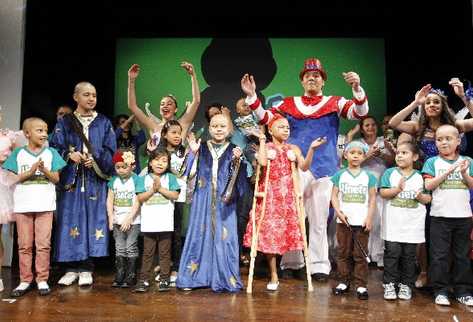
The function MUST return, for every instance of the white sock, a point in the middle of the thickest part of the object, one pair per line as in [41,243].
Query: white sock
[43,285]
[23,286]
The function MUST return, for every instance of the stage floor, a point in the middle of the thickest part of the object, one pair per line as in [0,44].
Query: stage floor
[291,302]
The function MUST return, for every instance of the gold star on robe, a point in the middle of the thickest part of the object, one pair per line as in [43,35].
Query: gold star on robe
[99,234]
[74,232]
[193,266]
[233,281]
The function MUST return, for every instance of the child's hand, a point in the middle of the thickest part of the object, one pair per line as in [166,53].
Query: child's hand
[318,142]
[188,67]
[110,224]
[134,71]
[76,157]
[367,224]
[126,224]
[193,144]
[40,165]
[452,168]
[34,167]
[236,152]
[402,184]
[343,218]
[464,166]
[156,184]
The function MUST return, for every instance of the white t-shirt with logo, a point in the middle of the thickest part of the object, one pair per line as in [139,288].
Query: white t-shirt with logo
[451,199]
[124,192]
[403,216]
[157,213]
[37,193]
[353,194]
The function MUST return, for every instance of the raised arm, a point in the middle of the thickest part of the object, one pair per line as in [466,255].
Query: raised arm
[357,107]
[248,86]
[398,120]
[148,122]
[191,110]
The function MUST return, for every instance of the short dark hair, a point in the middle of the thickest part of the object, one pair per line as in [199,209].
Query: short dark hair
[159,152]
[207,109]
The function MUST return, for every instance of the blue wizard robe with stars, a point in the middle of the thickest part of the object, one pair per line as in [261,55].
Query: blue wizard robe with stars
[210,257]
[82,228]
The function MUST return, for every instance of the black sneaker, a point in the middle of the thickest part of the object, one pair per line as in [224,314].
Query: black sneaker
[320,277]
[164,285]
[141,287]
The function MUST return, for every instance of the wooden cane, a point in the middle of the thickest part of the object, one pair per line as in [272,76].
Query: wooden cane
[256,228]
[301,215]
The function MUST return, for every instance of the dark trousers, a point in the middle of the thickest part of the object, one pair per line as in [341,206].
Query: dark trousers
[176,236]
[163,240]
[244,205]
[450,234]
[349,255]
[399,263]
[80,266]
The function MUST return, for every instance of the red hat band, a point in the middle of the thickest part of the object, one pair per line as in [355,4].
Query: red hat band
[313,64]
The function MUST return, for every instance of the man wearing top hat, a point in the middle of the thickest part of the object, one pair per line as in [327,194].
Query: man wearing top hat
[311,116]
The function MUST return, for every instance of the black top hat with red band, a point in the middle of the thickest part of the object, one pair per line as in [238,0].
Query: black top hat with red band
[313,64]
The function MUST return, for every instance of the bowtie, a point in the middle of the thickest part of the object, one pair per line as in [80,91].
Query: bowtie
[310,100]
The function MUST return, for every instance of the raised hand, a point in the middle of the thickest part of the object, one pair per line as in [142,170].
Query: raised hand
[421,95]
[318,142]
[188,67]
[134,71]
[457,87]
[352,79]
[193,144]
[248,85]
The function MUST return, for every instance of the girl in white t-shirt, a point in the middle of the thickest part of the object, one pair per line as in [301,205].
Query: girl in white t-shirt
[157,218]
[403,224]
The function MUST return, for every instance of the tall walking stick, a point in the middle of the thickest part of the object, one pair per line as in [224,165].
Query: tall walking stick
[256,228]
[301,215]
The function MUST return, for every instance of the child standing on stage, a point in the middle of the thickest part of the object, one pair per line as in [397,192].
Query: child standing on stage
[403,222]
[157,213]
[353,199]
[279,230]
[449,176]
[210,255]
[34,201]
[123,216]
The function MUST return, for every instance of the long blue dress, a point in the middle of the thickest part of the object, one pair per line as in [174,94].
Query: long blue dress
[82,229]
[210,257]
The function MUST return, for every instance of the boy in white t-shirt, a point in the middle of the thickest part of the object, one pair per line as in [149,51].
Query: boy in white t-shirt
[449,176]
[403,222]
[34,200]
[353,199]
[123,217]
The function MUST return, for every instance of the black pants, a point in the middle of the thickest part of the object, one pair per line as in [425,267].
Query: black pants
[176,236]
[450,234]
[399,263]
[244,205]
[80,266]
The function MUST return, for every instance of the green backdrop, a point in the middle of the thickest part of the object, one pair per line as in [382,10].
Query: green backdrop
[161,74]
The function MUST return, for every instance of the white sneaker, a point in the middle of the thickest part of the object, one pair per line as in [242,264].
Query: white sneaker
[442,300]
[272,286]
[467,300]
[1,285]
[389,291]
[68,278]
[85,278]
[405,292]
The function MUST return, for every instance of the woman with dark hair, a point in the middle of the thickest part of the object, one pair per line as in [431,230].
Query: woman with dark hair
[126,139]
